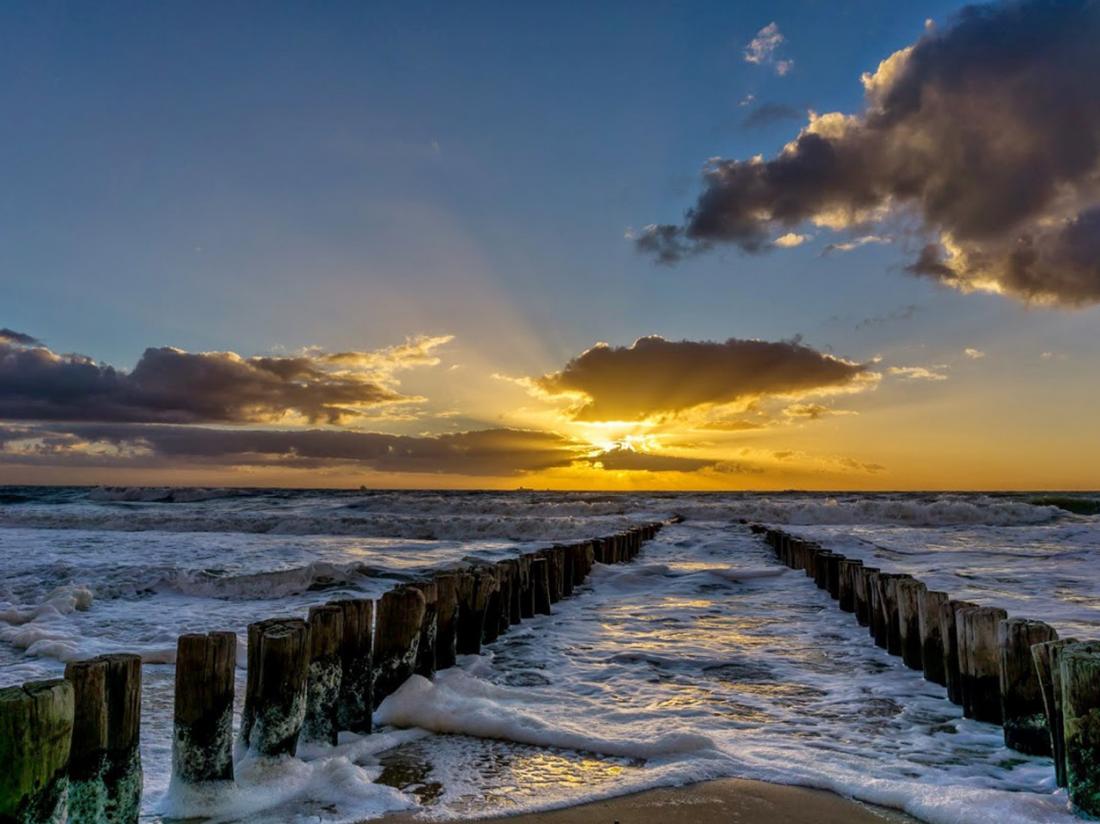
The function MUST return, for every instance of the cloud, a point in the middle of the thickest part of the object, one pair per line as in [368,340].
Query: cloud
[768,113]
[973,354]
[855,243]
[918,373]
[813,411]
[761,49]
[790,240]
[655,376]
[13,338]
[170,385]
[484,452]
[983,131]
[623,459]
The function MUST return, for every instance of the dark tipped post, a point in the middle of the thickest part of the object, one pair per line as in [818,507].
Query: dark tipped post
[326,638]
[540,583]
[909,593]
[275,695]
[980,662]
[202,733]
[36,729]
[429,628]
[931,637]
[448,586]
[504,577]
[353,707]
[123,774]
[862,594]
[952,661]
[849,572]
[1080,670]
[396,640]
[526,591]
[515,593]
[88,752]
[1024,718]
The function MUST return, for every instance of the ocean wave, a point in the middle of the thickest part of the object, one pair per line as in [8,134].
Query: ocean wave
[900,511]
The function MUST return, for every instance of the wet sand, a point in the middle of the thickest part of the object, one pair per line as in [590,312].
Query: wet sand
[713,802]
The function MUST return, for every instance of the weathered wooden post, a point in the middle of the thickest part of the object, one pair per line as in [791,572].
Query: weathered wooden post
[553,572]
[87,800]
[515,590]
[1048,668]
[123,774]
[490,629]
[952,673]
[832,584]
[504,576]
[861,580]
[1080,671]
[275,691]
[599,551]
[202,733]
[980,662]
[849,570]
[888,602]
[429,628]
[540,583]
[36,729]
[821,568]
[326,639]
[473,596]
[526,591]
[876,612]
[931,637]
[353,707]
[448,586]
[1024,718]
[909,592]
[566,555]
[396,640]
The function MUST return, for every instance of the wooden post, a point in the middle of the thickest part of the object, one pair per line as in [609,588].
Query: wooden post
[821,568]
[123,775]
[477,587]
[1048,668]
[849,570]
[540,583]
[909,593]
[861,579]
[553,572]
[1080,671]
[429,628]
[980,662]
[275,695]
[589,558]
[36,729]
[448,585]
[504,576]
[888,601]
[490,629]
[87,800]
[396,640]
[832,583]
[1025,722]
[326,639]
[810,551]
[931,636]
[353,707]
[526,591]
[948,613]
[515,598]
[877,626]
[202,732]
[599,551]
[566,555]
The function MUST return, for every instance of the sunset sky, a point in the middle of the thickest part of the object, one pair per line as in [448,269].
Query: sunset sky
[712,245]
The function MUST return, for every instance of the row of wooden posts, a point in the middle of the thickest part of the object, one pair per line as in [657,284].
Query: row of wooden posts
[69,747]
[1016,672]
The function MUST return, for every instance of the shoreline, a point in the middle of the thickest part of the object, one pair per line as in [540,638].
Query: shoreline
[718,801]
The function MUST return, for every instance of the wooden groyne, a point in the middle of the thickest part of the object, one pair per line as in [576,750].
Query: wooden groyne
[69,747]
[1015,672]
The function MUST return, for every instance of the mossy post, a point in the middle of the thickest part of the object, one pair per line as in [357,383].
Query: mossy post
[326,638]
[1080,672]
[952,673]
[909,592]
[980,662]
[396,640]
[353,707]
[429,628]
[87,800]
[540,583]
[1048,668]
[123,774]
[36,729]
[275,695]
[931,636]
[202,730]
[1022,710]
[447,585]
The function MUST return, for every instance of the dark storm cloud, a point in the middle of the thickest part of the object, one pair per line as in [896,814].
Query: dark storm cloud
[630,460]
[486,452]
[655,376]
[172,386]
[768,113]
[10,336]
[988,131]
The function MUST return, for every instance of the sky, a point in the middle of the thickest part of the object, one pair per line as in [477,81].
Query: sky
[708,245]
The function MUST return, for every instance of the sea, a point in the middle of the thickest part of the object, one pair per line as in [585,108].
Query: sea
[703,658]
